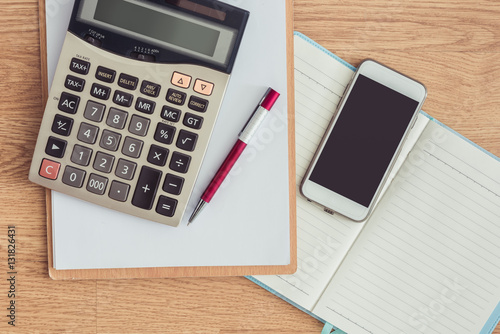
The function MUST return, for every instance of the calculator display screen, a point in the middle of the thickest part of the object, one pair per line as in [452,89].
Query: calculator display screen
[162,26]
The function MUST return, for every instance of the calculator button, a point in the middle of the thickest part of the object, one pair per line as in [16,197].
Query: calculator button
[79,66]
[125,169]
[197,104]
[94,111]
[143,57]
[157,155]
[119,191]
[145,106]
[164,133]
[139,125]
[49,169]
[105,74]
[97,184]
[100,91]
[186,140]
[55,147]
[116,118]
[127,81]
[110,140]
[132,147]
[180,162]
[166,206]
[150,89]
[170,114]
[145,191]
[203,87]
[73,177]
[103,162]
[122,98]
[87,133]
[92,40]
[176,97]
[181,80]
[192,121]
[62,125]
[74,83]
[68,103]
[173,184]
[81,155]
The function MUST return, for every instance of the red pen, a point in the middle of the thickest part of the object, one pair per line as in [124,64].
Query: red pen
[265,105]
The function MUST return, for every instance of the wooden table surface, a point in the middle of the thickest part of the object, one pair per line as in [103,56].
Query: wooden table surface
[451,46]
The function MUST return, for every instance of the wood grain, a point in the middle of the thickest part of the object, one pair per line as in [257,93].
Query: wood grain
[451,46]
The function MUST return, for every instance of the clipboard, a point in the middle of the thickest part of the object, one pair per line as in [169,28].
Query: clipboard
[202,271]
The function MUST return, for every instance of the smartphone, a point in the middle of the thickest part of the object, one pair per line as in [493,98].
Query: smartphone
[363,140]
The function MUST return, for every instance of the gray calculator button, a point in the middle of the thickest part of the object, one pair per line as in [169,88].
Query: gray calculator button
[87,133]
[125,169]
[139,125]
[94,111]
[119,191]
[116,118]
[73,177]
[97,184]
[132,147]
[103,162]
[81,155]
[110,140]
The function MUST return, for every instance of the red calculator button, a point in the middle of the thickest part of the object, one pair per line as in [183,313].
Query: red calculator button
[181,80]
[203,87]
[49,169]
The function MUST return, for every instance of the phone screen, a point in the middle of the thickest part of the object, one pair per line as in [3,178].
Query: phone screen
[364,140]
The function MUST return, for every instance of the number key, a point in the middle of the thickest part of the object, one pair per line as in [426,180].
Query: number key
[103,162]
[73,177]
[132,147]
[81,155]
[116,118]
[97,184]
[139,125]
[94,111]
[110,140]
[87,133]
[125,169]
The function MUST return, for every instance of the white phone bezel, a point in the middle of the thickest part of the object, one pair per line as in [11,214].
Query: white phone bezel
[334,201]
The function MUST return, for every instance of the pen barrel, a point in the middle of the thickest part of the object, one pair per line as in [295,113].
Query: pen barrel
[224,169]
[253,124]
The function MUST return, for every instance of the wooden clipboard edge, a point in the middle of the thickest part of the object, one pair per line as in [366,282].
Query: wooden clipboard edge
[163,272]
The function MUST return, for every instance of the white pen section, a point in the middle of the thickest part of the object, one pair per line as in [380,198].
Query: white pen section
[253,124]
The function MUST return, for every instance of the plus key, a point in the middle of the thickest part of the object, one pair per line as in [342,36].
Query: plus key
[146,188]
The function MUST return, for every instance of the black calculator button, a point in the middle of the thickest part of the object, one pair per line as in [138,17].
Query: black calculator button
[116,118]
[55,147]
[127,81]
[92,40]
[150,89]
[139,125]
[173,184]
[94,111]
[157,155]
[192,121]
[79,66]
[119,191]
[105,74]
[97,184]
[132,147]
[73,177]
[100,91]
[143,57]
[166,206]
[125,169]
[145,106]
[164,133]
[110,140]
[103,162]
[186,140]
[180,162]
[87,133]
[81,155]
[122,98]
[145,191]
[74,83]
[170,114]
[62,125]
[198,104]
[176,97]
[68,103]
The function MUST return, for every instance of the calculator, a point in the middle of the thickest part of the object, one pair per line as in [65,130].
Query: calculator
[134,101]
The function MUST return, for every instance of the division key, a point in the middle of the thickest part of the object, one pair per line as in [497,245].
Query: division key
[145,190]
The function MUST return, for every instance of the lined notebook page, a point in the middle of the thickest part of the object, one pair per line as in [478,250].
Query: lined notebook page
[428,259]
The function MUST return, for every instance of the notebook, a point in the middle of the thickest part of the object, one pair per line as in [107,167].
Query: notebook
[95,240]
[427,260]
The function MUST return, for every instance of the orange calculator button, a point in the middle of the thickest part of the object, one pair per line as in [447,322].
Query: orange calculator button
[203,87]
[181,80]
[49,169]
